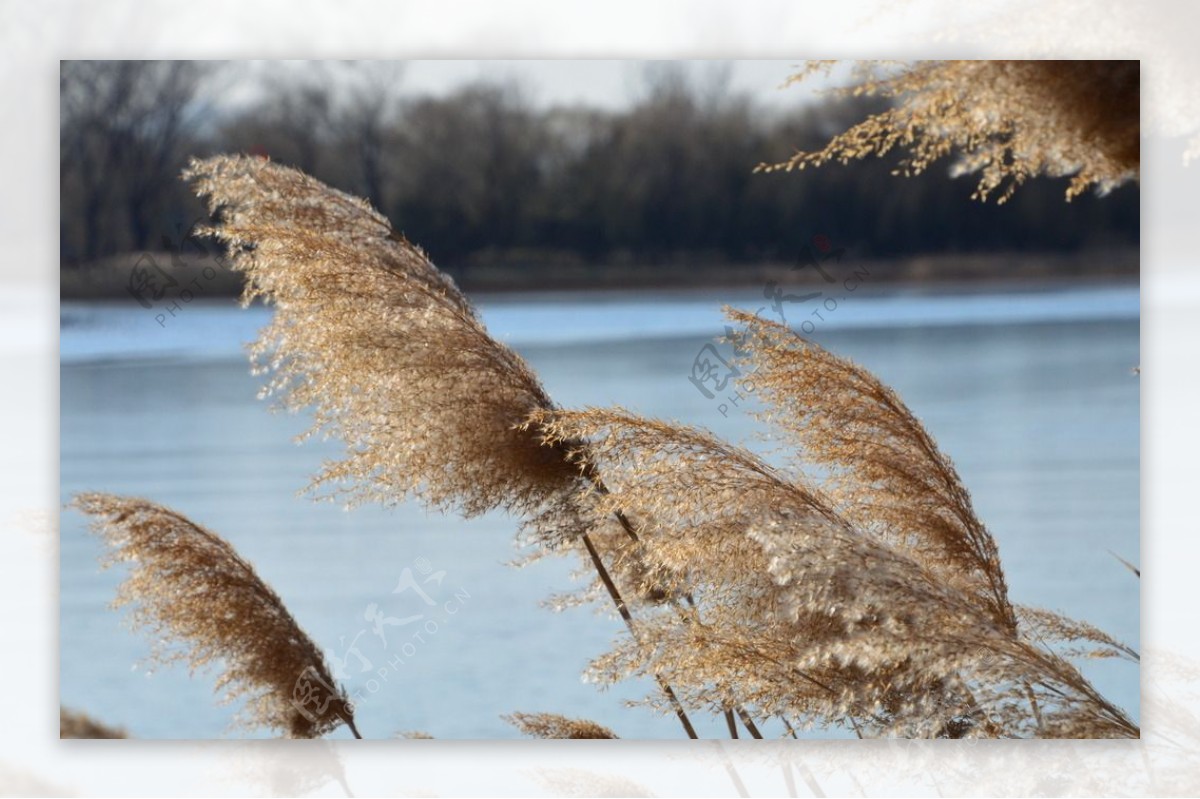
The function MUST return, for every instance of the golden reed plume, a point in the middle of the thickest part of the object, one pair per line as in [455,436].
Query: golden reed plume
[885,472]
[1007,120]
[380,345]
[203,604]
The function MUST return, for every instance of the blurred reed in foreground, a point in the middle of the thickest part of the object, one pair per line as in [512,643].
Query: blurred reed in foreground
[76,724]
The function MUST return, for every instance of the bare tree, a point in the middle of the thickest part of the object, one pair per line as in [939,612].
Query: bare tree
[367,123]
[471,163]
[292,123]
[122,130]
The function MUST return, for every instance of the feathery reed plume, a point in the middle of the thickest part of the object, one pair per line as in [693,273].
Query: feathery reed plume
[188,587]
[390,355]
[552,725]
[886,473]
[800,613]
[691,497]
[950,670]
[1007,120]
[1084,640]
[77,724]
[382,346]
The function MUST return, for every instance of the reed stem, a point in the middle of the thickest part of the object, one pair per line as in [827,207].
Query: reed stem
[627,617]
[731,724]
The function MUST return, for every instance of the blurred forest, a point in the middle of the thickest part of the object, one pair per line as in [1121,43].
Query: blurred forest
[490,183]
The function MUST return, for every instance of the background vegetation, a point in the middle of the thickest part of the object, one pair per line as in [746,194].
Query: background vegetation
[495,186]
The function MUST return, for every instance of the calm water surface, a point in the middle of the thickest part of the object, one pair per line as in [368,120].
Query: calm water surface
[1031,394]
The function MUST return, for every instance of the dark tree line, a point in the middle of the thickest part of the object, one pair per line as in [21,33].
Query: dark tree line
[484,176]
[124,129]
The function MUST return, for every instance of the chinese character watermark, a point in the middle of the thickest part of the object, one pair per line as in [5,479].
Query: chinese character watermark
[718,377]
[419,608]
[151,282]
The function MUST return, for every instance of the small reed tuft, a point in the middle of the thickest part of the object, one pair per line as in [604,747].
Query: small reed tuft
[552,725]
[77,724]
[201,603]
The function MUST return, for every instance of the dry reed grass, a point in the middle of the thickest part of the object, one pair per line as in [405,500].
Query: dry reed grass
[383,348]
[885,472]
[390,356]
[873,600]
[1008,121]
[201,603]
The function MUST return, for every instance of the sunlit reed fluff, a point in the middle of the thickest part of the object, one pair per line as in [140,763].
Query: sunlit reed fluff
[924,659]
[691,498]
[551,725]
[707,515]
[885,472]
[826,605]
[380,345]
[76,724]
[389,355]
[1008,121]
[201,603]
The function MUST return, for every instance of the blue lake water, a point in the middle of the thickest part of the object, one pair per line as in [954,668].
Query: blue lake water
[1030,392]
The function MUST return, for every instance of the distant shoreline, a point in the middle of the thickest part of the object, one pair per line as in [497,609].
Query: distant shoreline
[205,278]
[120,330]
